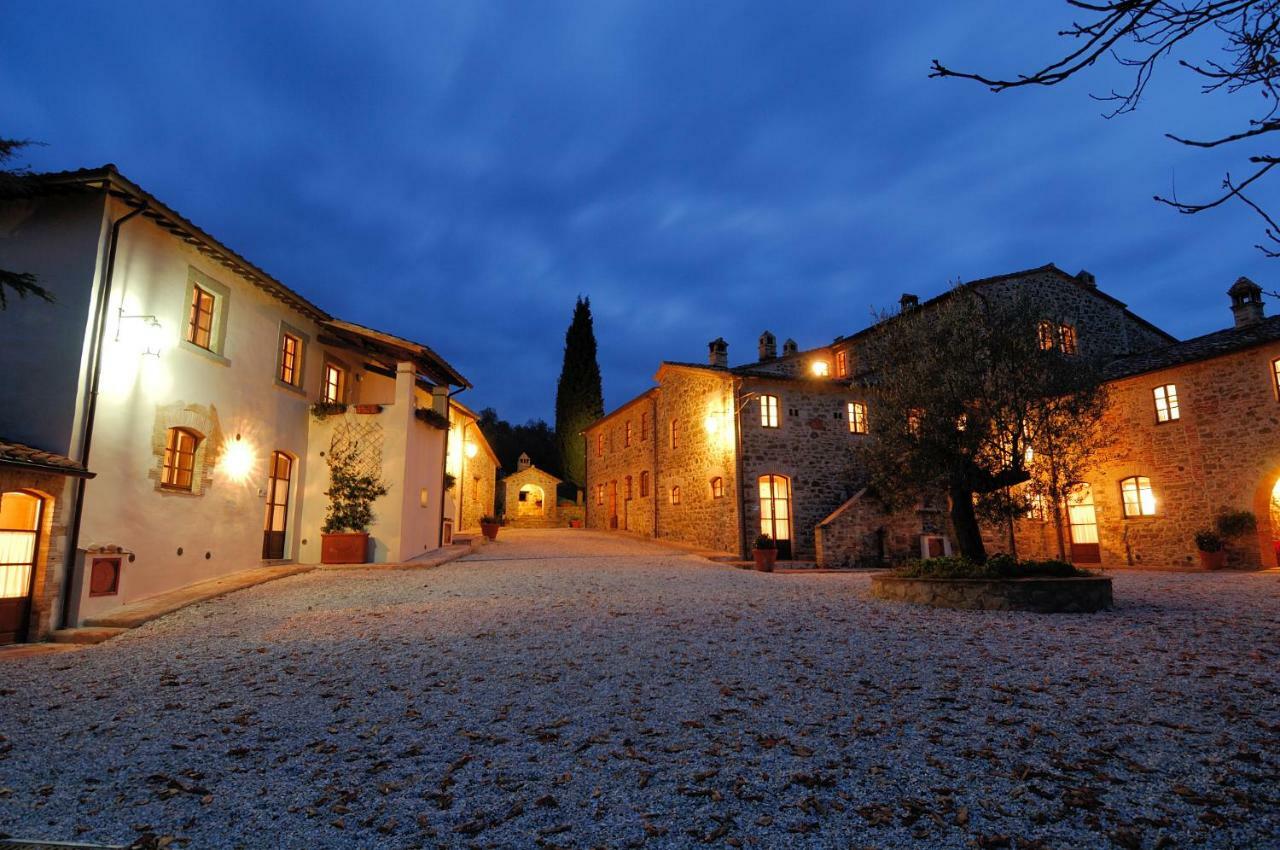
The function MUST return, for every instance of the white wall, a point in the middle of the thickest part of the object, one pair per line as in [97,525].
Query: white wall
[123,505]
[60,240]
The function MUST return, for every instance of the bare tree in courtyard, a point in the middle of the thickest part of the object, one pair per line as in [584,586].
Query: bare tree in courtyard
[984,400]
[1140,34]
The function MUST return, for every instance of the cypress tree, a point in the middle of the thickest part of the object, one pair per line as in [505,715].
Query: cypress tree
[579,397]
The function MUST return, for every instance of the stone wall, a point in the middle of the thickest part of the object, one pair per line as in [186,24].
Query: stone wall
[862,533]
[527,514]
[1043,595]
[616,465]
[51,552]
[701,403]
[812,446]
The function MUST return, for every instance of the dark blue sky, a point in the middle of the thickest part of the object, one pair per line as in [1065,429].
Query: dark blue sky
[457,172]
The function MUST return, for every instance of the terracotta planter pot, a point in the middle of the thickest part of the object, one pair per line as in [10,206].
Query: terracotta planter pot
[765,559]
[345,547]
[575,523]
[1213,560]
[489,530]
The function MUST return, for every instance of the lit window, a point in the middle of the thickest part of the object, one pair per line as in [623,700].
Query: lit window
[200,320]
[644,485]
[627,488]
[675,432]
[1067,337]
[769,411]
[290,349]
[1139,499]
[821,368]
[857,412]
[599,494]
[717,488]
[842,363]
[914,418]
[335,380]
[600,444]
[1167,403]
[626,435]
[1044,334]
[179,459]
[1036,509]
[675,495]
[1275,376]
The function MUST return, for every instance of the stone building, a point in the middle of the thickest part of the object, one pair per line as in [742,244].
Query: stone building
[530,497]
[714,455]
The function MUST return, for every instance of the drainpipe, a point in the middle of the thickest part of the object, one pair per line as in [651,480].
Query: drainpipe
[741,485]
[586,481]
[444,465]
[91,409]
[653,480]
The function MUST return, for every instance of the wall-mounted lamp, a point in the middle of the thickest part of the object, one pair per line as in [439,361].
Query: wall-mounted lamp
[471,449]
[151,332]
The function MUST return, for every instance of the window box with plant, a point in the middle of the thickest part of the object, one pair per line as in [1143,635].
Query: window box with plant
[433,418]
[489,526]
[765,552]
[352,492]
[322,410]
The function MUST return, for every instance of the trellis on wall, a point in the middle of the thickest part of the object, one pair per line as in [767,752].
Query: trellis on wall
[362,441]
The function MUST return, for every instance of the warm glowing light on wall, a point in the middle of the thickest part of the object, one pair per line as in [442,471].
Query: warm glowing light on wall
[237,460]
[149,332]
[820,368]
[471,449]
[712,423]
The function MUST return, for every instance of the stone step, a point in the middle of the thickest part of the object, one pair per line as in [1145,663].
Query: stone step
[86,634]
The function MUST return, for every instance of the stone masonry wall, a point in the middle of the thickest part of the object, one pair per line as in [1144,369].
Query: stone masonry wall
[529,517]
[51,550]
[700,402]
[611,464]
[861,533]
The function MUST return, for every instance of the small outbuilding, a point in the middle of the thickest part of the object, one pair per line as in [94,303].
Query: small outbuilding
[531,497]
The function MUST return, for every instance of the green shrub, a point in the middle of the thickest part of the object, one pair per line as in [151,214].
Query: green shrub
[764,541]
[996,567]
[1235,524]
[1208,540]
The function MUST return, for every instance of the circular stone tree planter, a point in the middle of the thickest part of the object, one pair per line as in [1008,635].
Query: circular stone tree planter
[1075,595]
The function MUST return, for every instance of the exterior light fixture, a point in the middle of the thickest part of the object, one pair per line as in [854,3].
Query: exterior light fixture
[820,368]
[712,423]
[471,449]
[151,334]
[237,460]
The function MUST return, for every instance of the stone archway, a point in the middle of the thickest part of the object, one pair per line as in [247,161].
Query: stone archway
[531,501]
[1266,507]
[25,519]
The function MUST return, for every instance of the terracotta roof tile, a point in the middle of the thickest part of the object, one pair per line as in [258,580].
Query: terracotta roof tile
[16,454]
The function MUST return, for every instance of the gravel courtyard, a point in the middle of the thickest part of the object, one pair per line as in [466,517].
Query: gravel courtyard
[569,689]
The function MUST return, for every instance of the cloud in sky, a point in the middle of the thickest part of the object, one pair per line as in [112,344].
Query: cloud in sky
[459,172]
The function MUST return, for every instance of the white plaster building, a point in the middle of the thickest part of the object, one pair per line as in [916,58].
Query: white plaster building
[183,377]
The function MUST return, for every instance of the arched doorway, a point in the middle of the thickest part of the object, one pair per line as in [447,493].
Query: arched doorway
[276,524]
[1266,507]
[20,517]
[530,501]
[775,512]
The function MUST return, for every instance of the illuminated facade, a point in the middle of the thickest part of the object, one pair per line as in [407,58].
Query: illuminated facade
[185,378]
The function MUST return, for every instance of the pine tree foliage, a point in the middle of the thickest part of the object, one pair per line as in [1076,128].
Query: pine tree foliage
[579,396]
[11,183]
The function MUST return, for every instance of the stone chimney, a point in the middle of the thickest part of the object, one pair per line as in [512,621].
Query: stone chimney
[524,462]
[908,302]
[718,353]
[1087,278]
[789,347]
[1246,302]
[768,346]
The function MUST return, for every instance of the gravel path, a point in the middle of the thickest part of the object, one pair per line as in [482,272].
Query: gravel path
[569,689]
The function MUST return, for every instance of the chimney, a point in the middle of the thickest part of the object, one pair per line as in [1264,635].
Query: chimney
[1087,278]
[789,347]
[1246,302]
[768,346]
[718,353]
[908,302]
[524,462]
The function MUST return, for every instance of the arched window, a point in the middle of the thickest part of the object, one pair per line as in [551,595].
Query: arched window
[644,485]
[179,459]
[627,487]
[675,495]
[1138,497]
[717,487]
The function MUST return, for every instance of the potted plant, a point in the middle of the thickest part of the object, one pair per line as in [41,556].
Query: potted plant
[352,492]
[766,552]
[1209,543]
[489,527]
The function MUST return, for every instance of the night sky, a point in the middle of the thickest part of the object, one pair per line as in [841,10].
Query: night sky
[458,172]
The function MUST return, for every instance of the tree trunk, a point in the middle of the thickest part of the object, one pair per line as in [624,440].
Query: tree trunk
[965,523]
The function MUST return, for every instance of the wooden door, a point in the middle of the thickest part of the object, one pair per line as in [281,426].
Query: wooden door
[613,504]
[1083,522]
[20,515]
[277,521]
[775,512]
